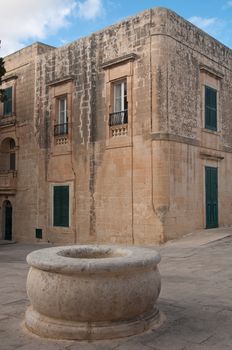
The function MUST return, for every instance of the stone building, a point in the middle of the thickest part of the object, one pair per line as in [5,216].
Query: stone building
[124,136]
[18,146]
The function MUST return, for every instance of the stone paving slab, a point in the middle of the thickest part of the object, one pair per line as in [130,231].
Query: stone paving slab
[5,242]
[195,298]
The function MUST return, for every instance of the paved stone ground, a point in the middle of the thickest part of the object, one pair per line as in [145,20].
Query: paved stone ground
[196,298]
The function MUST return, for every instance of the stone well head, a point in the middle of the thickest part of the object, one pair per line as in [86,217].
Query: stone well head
[92,292]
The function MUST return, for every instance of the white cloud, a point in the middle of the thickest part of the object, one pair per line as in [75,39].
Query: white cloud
[90,9]
[213,26]
[229,3]
[204,23]
[218,28]
[23,20]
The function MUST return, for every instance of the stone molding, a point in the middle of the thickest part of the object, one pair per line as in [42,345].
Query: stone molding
[159,136]
[8,78]
[61,81]
[119,60]
[211,71]
[211,156]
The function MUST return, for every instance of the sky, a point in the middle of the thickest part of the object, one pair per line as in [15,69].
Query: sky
[58,22]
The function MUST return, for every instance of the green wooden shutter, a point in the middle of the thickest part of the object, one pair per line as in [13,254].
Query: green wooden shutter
[211,188]
[61,206]
[8,101]
[12,161]
[210,108]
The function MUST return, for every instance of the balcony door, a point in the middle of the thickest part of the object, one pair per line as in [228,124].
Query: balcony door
[7,220]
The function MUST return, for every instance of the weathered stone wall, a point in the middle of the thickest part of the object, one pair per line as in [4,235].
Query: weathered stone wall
[189,58]
[20,68]
[112,183]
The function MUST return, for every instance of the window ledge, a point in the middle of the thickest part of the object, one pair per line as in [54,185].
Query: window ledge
[5,172]
[60,229]
[212,132]
[7,115]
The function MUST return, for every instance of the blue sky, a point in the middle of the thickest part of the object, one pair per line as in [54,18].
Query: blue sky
[57,22]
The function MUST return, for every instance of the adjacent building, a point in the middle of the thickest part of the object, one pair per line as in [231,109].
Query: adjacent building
[124,136]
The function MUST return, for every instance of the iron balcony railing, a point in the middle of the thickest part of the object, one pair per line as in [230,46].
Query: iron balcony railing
[118,118]
[61,129]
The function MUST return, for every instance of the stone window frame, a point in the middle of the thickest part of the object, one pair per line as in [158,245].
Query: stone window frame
[210,79]
[119,70]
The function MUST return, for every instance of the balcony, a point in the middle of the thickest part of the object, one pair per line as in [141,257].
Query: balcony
[6,121]
[8,181]
[118,118]
[61,129]
[118,122]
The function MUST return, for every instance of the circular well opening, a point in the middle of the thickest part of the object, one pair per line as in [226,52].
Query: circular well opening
[94,253]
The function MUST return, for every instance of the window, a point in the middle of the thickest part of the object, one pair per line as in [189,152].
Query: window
[7,107]
[8,155]
[62,127]
[61,206]
[120,104]
[12,155]
[210,108]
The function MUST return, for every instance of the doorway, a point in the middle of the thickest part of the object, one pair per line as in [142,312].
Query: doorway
[7,220]
[211,196]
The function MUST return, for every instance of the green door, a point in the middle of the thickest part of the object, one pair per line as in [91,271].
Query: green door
[8,221]
[211,196]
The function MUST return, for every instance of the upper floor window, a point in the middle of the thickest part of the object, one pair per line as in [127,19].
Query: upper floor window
[119,114]
[61,128]
[12,155]
[8,155]
[210,108]
[61,206]
[7,104]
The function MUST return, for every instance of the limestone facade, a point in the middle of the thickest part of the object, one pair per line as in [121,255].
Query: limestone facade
[124,136]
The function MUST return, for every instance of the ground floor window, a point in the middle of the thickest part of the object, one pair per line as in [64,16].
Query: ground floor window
[61,206]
